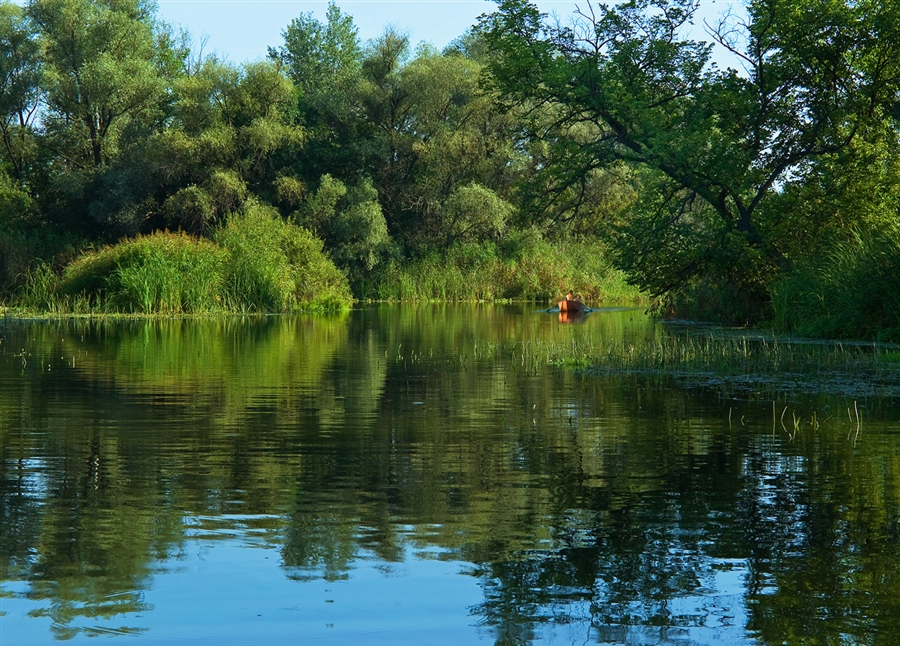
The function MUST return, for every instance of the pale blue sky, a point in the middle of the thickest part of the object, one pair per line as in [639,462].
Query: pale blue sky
[241,30]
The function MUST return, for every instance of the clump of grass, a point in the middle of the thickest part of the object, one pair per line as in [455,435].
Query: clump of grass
[177,276]
[439,277]
[273,265]
[256,263]
[525,267]
[39,291]
[852,292]
[162,273]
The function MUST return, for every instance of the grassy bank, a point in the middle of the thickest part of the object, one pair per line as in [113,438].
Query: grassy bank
[852,291]
[526,267]
[257,262]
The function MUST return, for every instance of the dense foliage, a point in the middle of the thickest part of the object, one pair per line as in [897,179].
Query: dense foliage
[115,131]
[491,169]
[744,176]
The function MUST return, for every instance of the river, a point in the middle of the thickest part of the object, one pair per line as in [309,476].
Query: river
[405,475]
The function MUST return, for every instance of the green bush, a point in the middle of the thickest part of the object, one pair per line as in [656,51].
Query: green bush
[191,208]
[273,265]
[162,273]
[540,269]
[256,263]
[15,204]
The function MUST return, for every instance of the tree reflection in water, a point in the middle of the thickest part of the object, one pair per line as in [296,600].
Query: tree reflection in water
[590,509]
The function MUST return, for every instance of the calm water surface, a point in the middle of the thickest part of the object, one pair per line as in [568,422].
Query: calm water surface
[405,475]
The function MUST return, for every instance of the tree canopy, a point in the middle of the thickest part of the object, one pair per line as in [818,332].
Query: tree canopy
[622,83]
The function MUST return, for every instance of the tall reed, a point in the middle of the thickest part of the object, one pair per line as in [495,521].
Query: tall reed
[257,263]
[852,292]
[162,273]
[525,267]
[273,265]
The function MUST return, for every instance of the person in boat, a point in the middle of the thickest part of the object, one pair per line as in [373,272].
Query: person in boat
[571,303]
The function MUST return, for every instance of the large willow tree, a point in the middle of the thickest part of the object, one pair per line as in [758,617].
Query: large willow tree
[102,63]
[718,148]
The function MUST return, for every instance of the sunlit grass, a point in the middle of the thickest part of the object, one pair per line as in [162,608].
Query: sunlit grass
[529,268]
[735,365]
[256,263]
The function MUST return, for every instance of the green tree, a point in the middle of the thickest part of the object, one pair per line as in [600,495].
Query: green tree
[319,56]
[461,145]
[102,64]
[20,89]
[416,124]
[623,84]
[350,222]
[434,132]
[385,108]
[324,60]
[231,139]
[473,213]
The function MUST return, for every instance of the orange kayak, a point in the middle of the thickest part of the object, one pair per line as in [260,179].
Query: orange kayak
[574,307]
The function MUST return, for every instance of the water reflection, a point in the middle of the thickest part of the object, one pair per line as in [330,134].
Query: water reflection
[402,470]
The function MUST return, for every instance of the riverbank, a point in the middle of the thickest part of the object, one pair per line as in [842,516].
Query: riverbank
[258,263]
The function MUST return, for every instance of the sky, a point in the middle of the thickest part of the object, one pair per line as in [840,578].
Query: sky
[242,30]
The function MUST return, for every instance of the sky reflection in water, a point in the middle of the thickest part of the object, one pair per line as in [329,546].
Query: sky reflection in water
[405,475]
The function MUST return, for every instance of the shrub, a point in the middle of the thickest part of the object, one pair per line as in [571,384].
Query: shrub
[191,208]
[474,212]
[256,263]
[15,258]
[275,266]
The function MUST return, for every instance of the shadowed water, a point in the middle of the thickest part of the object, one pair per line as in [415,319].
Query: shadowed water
[412,475]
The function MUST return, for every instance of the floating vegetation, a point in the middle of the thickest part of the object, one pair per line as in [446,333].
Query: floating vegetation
[736,367]
[741,365]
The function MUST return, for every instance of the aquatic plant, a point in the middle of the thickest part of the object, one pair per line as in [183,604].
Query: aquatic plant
[853,291]
[765,367]
[742,366]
